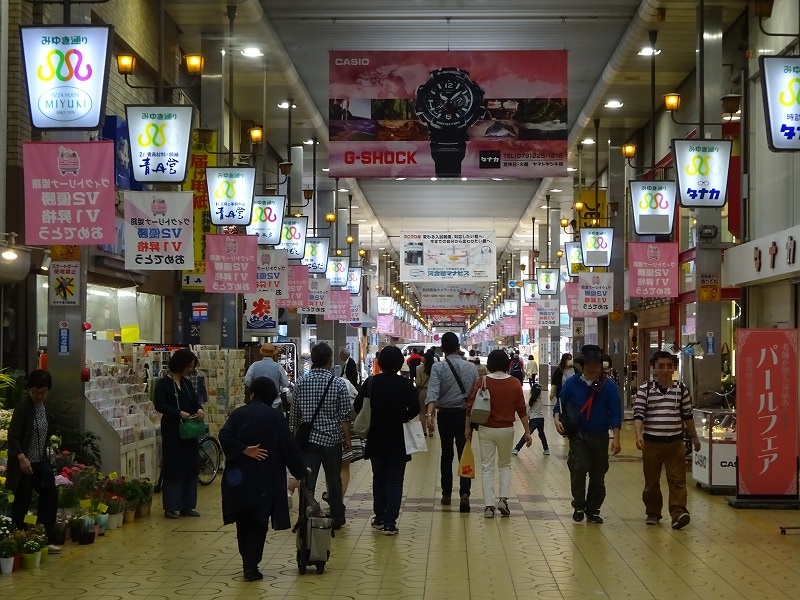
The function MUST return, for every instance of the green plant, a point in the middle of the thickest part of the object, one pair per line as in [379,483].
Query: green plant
[31,547]
[8,548]
[132,493]
[84,444]
[10,388]
[146,489]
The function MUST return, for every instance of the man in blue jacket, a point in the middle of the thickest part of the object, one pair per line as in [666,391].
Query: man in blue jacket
[591,406]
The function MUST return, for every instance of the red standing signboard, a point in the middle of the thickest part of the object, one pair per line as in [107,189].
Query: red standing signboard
[766,413]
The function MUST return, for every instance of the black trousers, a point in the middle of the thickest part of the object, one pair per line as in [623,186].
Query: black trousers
[48,501]
[451,423]
[251,536]
[588,456]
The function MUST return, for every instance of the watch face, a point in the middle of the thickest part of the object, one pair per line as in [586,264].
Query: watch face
[449,100]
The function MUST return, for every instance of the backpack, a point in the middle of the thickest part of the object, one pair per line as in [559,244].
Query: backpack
[516,369]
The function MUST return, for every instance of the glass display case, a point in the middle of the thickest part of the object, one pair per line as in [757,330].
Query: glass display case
[714,465]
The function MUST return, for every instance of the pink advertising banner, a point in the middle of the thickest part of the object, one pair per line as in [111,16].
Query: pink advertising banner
[339,307]
[595,294]
[450,114]
[318,301]
[571,293]
[548,312]
[231,263]
[385,323]
[529,317]
[653,270]
[510,326]
[295,292]
[69,193]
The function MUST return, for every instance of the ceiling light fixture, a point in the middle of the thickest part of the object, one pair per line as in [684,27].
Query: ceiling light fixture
[613,104]
[648,51]
[571,169]
[434,179]
[252,52]
[325,169]
[588,142]
[285,105]
[556,190]
[344,190]
[399,178]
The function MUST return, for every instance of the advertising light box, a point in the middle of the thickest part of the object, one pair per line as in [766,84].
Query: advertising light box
[230,195]
[780,80]
[159,142]
[596,245]
[267,219]
[702,170]
[653,205]
[547,281]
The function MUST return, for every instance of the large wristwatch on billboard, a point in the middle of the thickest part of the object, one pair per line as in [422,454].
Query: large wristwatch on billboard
[449,103]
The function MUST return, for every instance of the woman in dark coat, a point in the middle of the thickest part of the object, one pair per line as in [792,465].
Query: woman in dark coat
[258,448]
[176,400]
[393,401]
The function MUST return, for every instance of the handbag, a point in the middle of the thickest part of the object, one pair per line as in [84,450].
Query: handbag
[414,437]
[482,406]
[363,419]
[303,434]
[466,466]
[188,429]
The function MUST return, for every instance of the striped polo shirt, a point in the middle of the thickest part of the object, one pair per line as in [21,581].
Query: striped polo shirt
[663,413]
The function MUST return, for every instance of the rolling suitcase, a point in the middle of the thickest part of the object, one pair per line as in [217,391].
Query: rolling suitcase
[314,531]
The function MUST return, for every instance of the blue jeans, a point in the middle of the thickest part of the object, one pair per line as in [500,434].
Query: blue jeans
[387,488]
[330,458]
[538,425]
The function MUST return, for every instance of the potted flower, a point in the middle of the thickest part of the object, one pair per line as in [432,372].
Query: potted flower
[146,498]
[37,534]
[60,529]
[132,494]
[31,554]
[116,506]
[8,548]
[76,526]
[88,529]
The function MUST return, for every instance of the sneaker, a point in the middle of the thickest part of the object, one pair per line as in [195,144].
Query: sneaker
[390,530]
[463,506]
[502,506]
[172,514]
[577,516]
[488,512]
[446,499]
[376,524]
[652,520]
[681,521]
[53,549]
[515,451]
[253,575]
[546,452]
[594,518]
[190,513]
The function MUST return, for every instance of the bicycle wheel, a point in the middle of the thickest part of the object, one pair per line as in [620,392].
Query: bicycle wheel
[210,458]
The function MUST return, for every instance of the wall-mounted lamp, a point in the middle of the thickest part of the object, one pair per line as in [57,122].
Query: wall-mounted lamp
[763,10]
[572,224]
[362,252]
[195,63]
[45,261]
[256,134]
[330,217]
[579,205]
[308,194]
[126,63]
[672,101]
[629,151]
[559,253]
[349,239]
[338,252]
[707,232]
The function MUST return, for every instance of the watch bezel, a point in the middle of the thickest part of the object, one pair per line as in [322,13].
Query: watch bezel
[473,114]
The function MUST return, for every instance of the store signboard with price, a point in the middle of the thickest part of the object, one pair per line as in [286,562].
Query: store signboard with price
[780,89]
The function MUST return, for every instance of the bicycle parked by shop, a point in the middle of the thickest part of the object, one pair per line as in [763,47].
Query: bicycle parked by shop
[210,452]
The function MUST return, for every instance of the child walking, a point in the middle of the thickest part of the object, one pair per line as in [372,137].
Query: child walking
[536,419]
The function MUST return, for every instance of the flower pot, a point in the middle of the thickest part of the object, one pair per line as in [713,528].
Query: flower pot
[114,521]
[29,561]
[7,565]
[75,533]
[45,553]
[87,537]
[96,530]
[130,516]
[38,559]
[102,522]
[60,536]
[17,561]
[143,510]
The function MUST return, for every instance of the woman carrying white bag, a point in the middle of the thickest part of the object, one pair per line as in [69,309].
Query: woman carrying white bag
[392,402]
[502,395]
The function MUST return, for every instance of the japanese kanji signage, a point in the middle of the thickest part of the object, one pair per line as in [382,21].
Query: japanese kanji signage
[595,293]
[231,263]
[230,195]
[574,257]
[354,280]
[64,283]
[194,279]
[159,142]
[571,296]
[318,299]
[780,89]
[69,193]
[337,271]
[653,206]
[766,413]
[702,170]
[653,270]
[293,237]
[548,312]
[338,306]
[296,293]
[316,254]
[529,290]
[158,230]
[596,243]
[271,274]
[260,312]
[529,317]
[267,219]
[66,68]
[547,282]
[456,257]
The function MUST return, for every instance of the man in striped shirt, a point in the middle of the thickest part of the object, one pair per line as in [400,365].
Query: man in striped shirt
[662,410]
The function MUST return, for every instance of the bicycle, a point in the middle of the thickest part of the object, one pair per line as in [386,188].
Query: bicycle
[210,457]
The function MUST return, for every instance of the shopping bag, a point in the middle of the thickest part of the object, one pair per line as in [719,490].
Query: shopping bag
[466,467]
[415,438]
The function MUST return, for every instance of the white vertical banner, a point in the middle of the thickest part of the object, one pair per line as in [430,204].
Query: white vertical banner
[260,312]
[595,293]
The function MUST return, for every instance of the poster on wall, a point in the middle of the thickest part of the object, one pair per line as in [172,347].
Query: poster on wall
[595,293]
[230,195]
[64,282]
[766,413]
[66,69]
[195,279]
[69,193]
[158,230]
[440,298]
[653,204]
[702,168]
[448,113]
[781,101]
[159,142]
[653,270]
[231,264]
[458,257]
[267,219]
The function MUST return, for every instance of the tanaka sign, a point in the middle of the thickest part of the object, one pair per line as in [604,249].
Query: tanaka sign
[66,69]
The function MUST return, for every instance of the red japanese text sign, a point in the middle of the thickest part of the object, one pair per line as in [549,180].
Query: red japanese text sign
[653,270]
[69,193]
[766,412]
[231,263]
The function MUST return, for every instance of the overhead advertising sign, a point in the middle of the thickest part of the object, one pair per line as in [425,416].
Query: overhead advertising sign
[231,264]
[596,245]
[548,312]
[69,193]
[458,257]
[766,413]
[66,68]
[530,319]
[385,305]
[354,280]
[158,230]
[574,257]
[194,279]
[267,219]
[653,206]
[530,290]
[293,237]
[547,281]
[296,293]
[510,308]
[439,297]
[779,83]
[596,293]
[271,274]
[318,300]
[653,270]
[338,306]
[159,142]
[702,170]
[338,270]
[230,195]
[316,254]
[260,313]
[448,113]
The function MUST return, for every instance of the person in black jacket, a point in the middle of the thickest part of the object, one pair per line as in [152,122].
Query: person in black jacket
[176,400]
[258,448]
[349,367]
[393,401]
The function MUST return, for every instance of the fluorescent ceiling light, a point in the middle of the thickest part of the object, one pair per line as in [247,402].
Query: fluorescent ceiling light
[463,179]
[434,179]
[556,190]
[497,179]
[647,51]
[569,169]
[343,190]
[614,104]
[362,220]
[252,52]
[325,169]
[354,206]
[286,105]
[399,178]
[587,142]
[309,142]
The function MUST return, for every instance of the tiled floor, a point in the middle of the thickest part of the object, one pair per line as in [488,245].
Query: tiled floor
[441,554]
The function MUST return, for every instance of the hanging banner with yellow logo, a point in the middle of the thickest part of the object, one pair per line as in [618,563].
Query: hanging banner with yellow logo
[574,258]
[159,142]
[547,281]
[230,195]
[702,169]
[196,183]
[780,88]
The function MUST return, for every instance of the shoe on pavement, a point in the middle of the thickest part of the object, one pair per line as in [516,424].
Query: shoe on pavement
[488,512]
[546,452]
[190,513]
[515,451]
[502,506]
[463,506]
[253,575]
[681,521]
[376,524]
[652,520]
[53,549]
[390,530]
[446,499]
[577,516]
[594,518]
[174,514]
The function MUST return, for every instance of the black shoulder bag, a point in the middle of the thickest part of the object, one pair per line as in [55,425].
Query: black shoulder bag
[303,434]
[458,379]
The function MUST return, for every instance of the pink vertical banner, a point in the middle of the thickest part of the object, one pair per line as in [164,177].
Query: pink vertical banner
[653,270]
[339,306]
[766,413]
[69,193]
[384,324]
[231,264]
[296,287]
[571,292]
[529,318]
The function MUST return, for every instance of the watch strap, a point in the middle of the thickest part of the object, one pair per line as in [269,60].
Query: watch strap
[448,156]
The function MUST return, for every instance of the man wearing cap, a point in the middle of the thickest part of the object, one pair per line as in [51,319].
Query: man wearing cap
[267,367]
[594,399]
[451,382]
